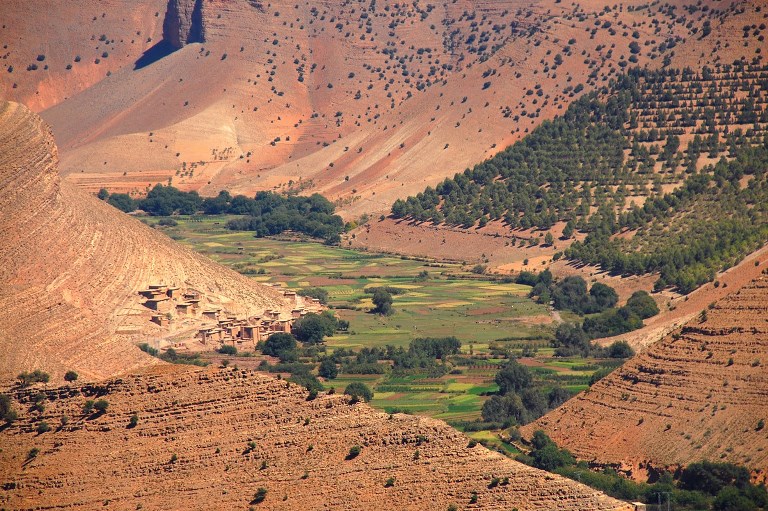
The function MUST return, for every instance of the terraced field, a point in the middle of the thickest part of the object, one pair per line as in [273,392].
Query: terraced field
[698,393]
[452,301]
[491,318]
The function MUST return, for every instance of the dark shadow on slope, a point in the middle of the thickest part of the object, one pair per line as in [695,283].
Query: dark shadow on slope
[155,53]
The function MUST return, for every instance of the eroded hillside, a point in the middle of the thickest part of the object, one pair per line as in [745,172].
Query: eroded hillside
[209,439]
[699,393]
[71,268]
[365,102]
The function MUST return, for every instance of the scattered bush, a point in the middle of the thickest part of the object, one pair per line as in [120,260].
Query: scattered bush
[259,496]
[354,452]
[227,349]
[70,376]
[7,413]
[37,376]
[101,406]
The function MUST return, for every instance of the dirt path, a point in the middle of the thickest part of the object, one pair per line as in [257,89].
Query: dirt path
[683,308]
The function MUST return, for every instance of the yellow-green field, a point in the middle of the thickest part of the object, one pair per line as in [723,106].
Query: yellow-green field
[453,301]
[487,316]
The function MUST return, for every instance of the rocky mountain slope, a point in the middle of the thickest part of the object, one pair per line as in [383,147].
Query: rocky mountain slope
[699,393]
[71,267]
[364,102]
[210,439]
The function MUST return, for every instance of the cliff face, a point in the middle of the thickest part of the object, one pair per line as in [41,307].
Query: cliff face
[71,267]
[183,23]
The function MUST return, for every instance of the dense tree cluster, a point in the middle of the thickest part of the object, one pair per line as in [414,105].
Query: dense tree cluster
[270,213]
[573,169]
[266,214]
[599,304]
[520,400]
[537,181]
[702,485]
[706,226]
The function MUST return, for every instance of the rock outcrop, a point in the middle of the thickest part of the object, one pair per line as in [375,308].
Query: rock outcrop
[183,23]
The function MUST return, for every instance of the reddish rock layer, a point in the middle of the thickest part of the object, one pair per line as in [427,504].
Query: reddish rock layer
[699,393]
[209,439]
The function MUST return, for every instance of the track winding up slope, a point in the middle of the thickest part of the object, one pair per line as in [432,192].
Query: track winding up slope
[209,439]
[699,393]
[71,266]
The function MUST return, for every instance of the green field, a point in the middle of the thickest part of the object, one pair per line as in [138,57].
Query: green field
[453,301]
[486,315]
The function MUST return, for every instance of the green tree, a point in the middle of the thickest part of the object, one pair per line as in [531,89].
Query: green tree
[37,376]
[570,340]
[88,407]
[101,406]
[328,369]
[359,390]
[315,292]
[620,349]
[70,376]
[281,345]
[7,413]
[731,499]
[312,328]
[568,230]
[604,297]
[382,300]
[642,304]
[513,377]
[122,201]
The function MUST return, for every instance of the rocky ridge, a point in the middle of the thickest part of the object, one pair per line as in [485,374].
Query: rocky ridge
[699,393]
[209,439]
